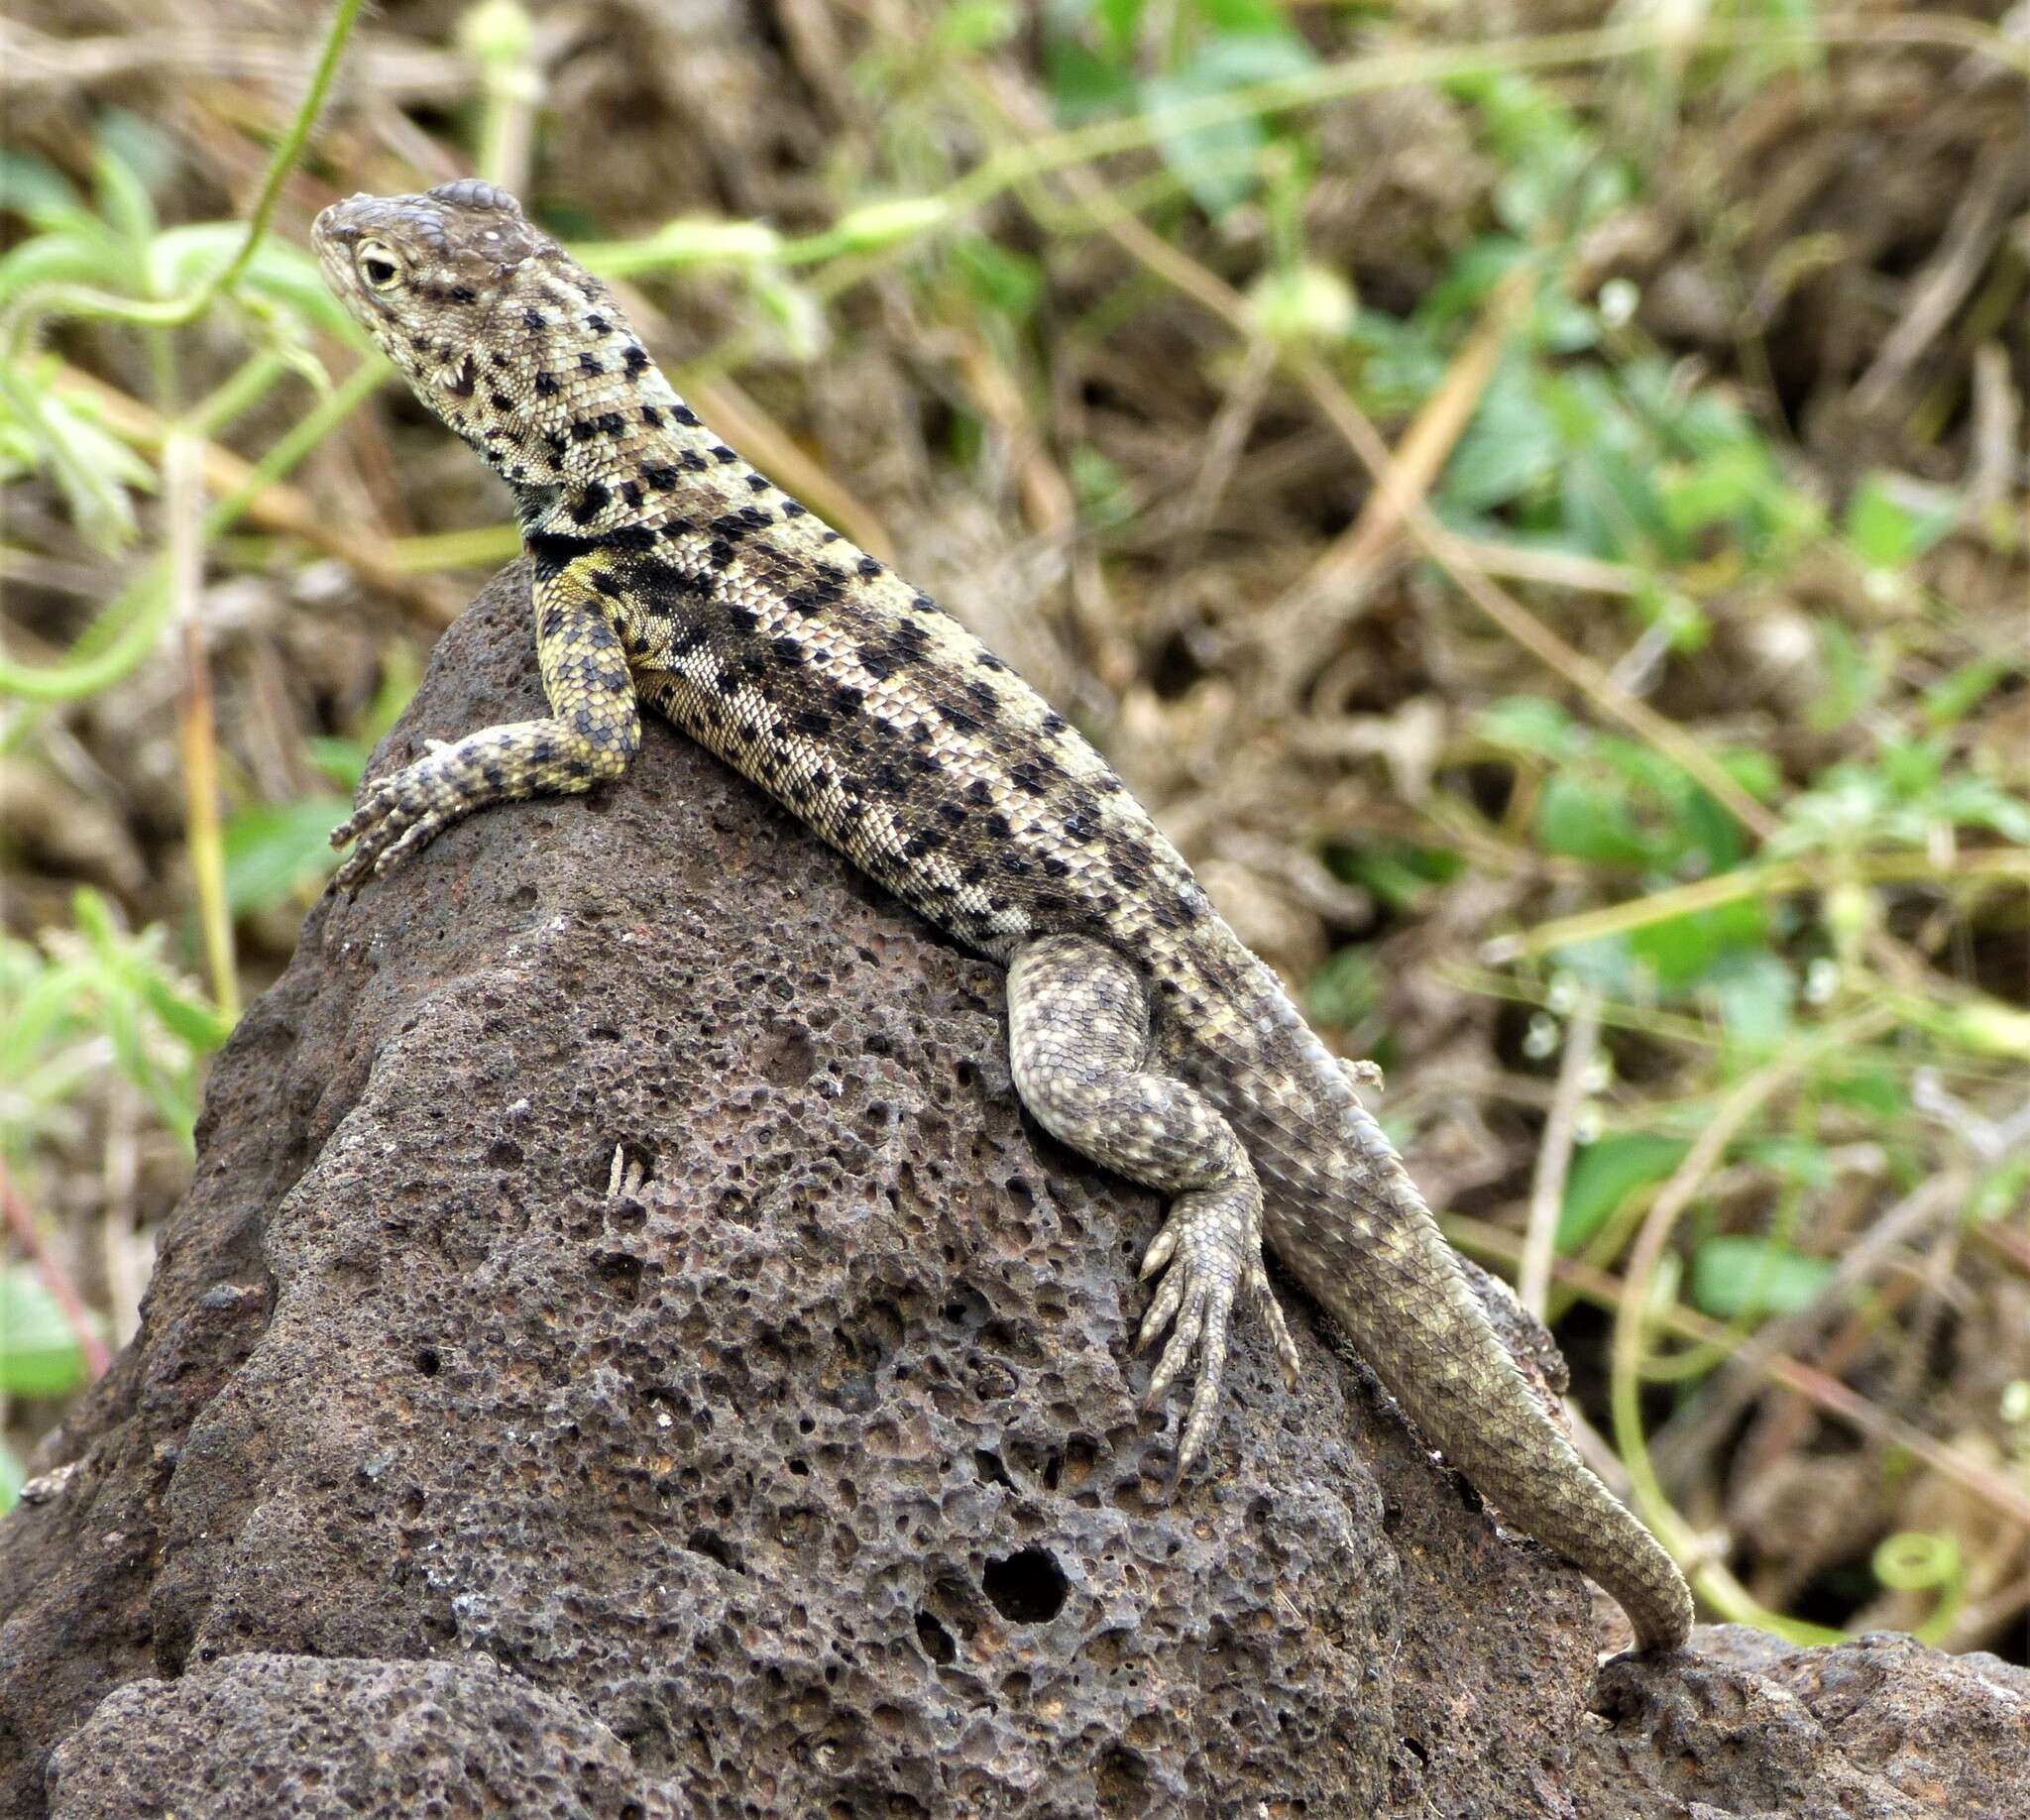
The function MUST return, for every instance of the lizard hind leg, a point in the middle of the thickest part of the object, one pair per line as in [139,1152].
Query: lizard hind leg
[1078,1046]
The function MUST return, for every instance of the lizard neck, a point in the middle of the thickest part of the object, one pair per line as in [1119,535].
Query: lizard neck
[570,411]
[595,454]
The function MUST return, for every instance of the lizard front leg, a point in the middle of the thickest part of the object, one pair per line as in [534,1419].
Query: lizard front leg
[591,733]
[1078,1045]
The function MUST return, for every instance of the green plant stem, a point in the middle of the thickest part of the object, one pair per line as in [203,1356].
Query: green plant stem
[330,411]
[1774,879]
[1710,1579]
[288,150]
[1408,68]
[122,636]
[1018,164]
[177,312]
[460,549]
[56,1280]
[241,390]
[1915,1560]
[1811,1385]
[106,650]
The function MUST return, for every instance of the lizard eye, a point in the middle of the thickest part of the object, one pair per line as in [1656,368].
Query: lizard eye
[377,264]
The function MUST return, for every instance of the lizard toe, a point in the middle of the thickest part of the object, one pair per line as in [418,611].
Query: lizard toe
[1184,1338]
[414,834]
[1279,1327]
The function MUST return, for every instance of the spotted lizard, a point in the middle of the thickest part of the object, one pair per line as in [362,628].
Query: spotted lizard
[667,572]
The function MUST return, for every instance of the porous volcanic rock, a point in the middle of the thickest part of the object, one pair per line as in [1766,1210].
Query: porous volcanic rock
[1755,1729]
[287,1737]
[809,1479]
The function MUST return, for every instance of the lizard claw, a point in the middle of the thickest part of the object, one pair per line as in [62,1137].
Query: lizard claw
[394,816]
[1279,1329]
[1210,1249]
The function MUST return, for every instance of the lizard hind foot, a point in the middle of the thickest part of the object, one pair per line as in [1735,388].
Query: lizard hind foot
[1078,1046]
[1209,1257]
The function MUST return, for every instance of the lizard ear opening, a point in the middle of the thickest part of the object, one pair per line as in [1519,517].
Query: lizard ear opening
[379,263]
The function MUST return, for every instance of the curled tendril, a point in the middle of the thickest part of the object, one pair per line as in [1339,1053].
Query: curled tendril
[1915,1560]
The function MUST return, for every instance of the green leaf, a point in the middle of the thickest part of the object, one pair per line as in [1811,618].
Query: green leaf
[39,1354]
[1531,725]
[1949,699]
[998,277]
[1585,818]
[91,469]
[189,1019]
[1867,1085]
[272,850]
[1605,1174]
[181,259]
[1241,18]
[1509,448]
[1215,161]
[1715,488]
[1891,521]
[34,188]
[122,195]
[1083,86]
[1398,873]
[343,761]
[1684,951]
[971,27]
[1345,989]
[1744,1278]
[87,256]
[1755,991]
[1794,1159]
[1470,280]
[1610,504]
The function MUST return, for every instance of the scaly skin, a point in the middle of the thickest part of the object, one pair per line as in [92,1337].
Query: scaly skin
[1142,1032]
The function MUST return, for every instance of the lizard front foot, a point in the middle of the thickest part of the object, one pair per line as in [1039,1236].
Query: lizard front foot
[394,815]
[1210,1251]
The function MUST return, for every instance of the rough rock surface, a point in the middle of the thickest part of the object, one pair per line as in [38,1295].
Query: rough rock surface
[810,1480]
[300,1736]
[1755,1729]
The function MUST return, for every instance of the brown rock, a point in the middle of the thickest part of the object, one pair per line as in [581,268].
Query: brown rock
[809,1480]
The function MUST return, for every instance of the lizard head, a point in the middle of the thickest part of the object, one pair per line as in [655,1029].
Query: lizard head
[505,337]
[429,275]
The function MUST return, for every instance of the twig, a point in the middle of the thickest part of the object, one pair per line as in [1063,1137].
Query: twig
[1698,1426]
[770,448]
[56,1280]
[177,312]
[1316,610]
[1449,552]
[196,740]
[1712,1579]
[1555,1156]
[1940,288]
[273,505]
[392,69]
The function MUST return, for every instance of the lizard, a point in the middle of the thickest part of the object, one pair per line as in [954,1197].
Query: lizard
[667,572]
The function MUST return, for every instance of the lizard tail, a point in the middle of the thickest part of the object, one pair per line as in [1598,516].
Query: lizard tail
[1453,1378]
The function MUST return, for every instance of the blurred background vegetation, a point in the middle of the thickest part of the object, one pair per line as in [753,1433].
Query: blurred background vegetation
[1534,494]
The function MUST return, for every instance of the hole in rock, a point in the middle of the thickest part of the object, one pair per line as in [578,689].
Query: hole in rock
[1027,1587]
